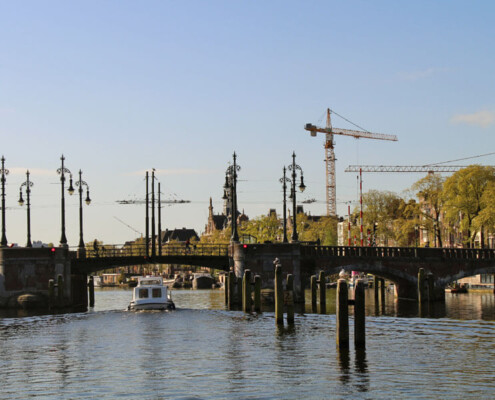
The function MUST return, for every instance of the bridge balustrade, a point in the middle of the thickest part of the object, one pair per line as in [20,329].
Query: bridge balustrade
[395,252]
[118,250]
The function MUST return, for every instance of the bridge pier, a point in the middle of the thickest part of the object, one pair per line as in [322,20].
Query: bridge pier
[258,258]
[25,273]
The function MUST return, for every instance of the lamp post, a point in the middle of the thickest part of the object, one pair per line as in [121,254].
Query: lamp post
[81,183]
[4,173]
[230,187]
[284,181]
[62,171]
[294,167]
[416,231]
[28,185]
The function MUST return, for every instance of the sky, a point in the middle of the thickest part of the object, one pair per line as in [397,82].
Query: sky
[120,87]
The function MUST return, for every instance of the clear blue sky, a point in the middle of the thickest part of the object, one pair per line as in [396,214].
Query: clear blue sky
[120,87]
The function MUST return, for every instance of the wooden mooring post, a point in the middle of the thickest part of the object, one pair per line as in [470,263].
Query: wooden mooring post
[231,282]
[91,287]
[226,289]
[323,293]
[422,295]
[257,293]
[290,299]
[60,290]
[246,291]
[314,289]
[359,315]
[279,296]
[51,293]
[342,316]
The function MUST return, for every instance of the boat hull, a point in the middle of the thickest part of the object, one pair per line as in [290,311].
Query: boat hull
[151,306]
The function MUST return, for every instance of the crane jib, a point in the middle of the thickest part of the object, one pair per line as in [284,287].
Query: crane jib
[350,132]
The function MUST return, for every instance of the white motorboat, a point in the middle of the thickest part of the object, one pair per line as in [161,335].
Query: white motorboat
[151,294]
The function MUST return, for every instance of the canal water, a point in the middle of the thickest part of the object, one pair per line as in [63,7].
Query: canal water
[202,351]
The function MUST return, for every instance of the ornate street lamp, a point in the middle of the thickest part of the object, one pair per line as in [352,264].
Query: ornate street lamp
[294,167]
[81,183]
[4,173]
[62,171]
[284,180]
[28,185]
[231,188]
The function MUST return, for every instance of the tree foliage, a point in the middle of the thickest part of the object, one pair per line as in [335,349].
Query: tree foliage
[463,196]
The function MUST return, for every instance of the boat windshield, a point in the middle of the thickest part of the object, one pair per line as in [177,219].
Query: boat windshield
[150,282]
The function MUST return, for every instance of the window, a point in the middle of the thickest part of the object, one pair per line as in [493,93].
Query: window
[156,292]
[143,293]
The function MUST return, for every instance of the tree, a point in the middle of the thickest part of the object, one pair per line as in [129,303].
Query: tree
[462,195]
[381,209]
[429,191]
[263,228]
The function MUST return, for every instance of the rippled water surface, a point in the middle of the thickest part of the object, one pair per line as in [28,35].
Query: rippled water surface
[201,351]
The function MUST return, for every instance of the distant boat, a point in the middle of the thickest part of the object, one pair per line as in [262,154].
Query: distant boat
[151,294]
[202,281]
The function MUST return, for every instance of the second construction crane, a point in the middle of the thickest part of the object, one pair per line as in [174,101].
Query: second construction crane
[329,131]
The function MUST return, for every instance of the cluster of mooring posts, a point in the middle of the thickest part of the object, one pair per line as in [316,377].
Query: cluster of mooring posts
[342,309]
[239,291]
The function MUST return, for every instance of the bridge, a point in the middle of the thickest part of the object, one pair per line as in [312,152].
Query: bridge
[29,270]
[113,256]
[397,264]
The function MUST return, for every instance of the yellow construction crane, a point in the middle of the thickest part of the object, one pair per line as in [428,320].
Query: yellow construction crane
[329,131]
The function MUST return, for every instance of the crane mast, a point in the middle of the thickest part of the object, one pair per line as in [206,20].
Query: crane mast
[331,198]
[330,168]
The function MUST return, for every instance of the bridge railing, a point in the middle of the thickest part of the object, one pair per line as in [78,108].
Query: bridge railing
[393,252]
[125,250]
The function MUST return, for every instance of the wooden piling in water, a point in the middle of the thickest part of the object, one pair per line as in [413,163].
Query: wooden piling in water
[226,289]
[323,293]
[430,282]
[342,316]
[421,286]
[91,287]
[246,291]
[375,288]
[313,293]
[60,290]
[290,299]
[232,282]
[279,296]
[51,293]
[359,315]
[257,293]
[239,291]
[382,291]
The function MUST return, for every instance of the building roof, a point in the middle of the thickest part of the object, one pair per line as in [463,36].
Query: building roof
[181,235]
